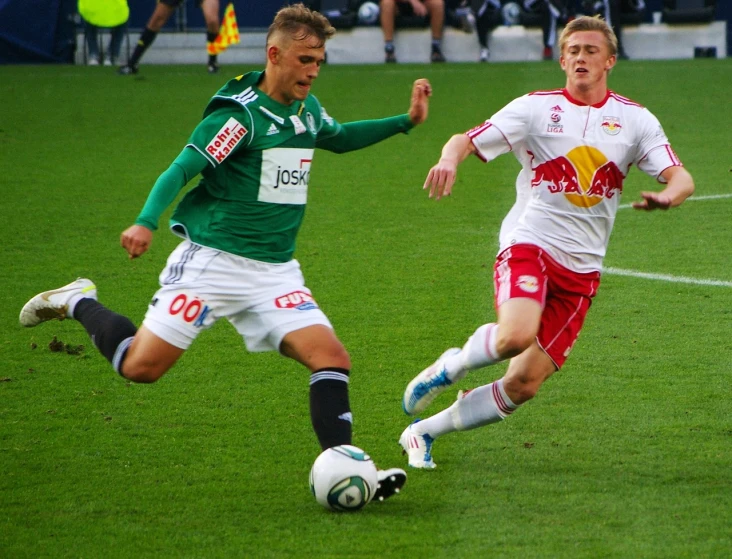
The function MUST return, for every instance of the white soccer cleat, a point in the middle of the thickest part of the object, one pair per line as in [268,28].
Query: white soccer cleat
[418,448]
[427,385]
[54,304]
[390,483]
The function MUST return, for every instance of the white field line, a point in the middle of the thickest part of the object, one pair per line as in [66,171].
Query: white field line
[665,277]
[692,199]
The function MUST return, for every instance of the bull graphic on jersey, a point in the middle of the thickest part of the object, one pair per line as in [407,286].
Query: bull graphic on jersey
[584,176]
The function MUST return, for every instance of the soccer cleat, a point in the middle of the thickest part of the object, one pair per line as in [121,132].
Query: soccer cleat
[390,483]
[427,385]
[390,57]
[128,70]
[548,53]
[212,68]
[418,448]
[485,54]
[54,304]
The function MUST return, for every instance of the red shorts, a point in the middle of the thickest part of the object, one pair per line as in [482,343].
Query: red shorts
[565,296]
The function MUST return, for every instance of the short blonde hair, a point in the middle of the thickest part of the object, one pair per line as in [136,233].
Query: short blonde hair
[299,22]
[589,23]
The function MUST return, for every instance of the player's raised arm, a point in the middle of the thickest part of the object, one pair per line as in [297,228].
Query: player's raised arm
[680,185]
[419,105]
[442,176]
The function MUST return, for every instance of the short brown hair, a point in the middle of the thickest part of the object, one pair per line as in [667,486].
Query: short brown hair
[299,22]
[589,23]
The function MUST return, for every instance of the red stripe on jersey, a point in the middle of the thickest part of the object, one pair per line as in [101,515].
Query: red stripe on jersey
[673,156]
[473,132]
[624,100]
[547,92]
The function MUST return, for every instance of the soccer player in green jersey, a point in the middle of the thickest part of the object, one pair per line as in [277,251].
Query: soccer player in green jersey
[253,149]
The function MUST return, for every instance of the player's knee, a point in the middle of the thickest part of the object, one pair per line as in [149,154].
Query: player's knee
[510,343]
[141,371]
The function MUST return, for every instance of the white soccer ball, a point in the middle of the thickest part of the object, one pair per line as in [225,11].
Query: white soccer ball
[343,478]
[511,13]
[368,13]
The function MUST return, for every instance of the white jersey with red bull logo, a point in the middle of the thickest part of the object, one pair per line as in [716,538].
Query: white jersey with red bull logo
[574,158]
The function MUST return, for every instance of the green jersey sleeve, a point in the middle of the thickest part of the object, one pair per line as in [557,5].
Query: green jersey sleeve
[222,132]
[186,166]
[341,138]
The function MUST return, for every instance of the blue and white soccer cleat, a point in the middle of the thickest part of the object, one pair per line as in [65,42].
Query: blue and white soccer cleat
[418,448]
[427,385]
[54,304]
[390,482]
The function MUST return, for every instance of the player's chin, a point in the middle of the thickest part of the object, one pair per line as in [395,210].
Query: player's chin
[301,91]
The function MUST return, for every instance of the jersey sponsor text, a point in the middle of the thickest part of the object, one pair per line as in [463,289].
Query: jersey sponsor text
[285,175]
[226,140]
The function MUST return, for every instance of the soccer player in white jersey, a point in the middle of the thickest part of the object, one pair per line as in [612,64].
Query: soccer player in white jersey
[575,146]
[253,150]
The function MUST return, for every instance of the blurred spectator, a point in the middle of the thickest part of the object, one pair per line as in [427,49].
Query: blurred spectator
[104,14]
[432,9]
[163,10]
[611,11]
[481,16]
[553,14]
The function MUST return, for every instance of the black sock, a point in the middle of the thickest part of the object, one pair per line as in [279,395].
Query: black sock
[112,333]
[330,411]
[210,38]
[146,39]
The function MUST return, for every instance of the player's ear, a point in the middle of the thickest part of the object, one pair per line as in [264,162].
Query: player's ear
[273,54]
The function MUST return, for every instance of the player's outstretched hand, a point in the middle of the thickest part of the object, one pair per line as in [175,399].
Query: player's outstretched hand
[419,105]
[136,240]
[652,201]
[441,178]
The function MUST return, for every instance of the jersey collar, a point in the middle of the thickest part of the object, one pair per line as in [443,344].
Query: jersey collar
[581,104]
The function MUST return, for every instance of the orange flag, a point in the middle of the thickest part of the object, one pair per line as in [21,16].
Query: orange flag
[228,33]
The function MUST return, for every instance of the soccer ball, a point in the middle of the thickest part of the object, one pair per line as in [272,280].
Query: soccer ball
[511,13]
[368,13]
[343,478]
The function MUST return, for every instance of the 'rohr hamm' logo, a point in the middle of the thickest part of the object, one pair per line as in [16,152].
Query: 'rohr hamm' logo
[226,139]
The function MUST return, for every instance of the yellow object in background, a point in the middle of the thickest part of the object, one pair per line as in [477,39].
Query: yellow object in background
[104,13]
[228,33]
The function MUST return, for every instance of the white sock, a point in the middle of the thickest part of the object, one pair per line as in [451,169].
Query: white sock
[479,351]
[71,304]
[482,406]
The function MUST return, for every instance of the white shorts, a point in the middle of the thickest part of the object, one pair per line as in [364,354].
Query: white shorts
[263,301]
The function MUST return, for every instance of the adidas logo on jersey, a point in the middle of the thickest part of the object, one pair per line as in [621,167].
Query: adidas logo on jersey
[273,130]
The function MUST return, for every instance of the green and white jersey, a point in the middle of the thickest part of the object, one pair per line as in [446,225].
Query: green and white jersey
[251,198]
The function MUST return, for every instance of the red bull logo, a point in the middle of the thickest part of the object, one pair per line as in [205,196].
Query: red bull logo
[584,176]
[611,125]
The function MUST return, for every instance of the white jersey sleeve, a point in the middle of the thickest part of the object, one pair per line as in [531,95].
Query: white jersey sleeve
[502,131]
[654,153]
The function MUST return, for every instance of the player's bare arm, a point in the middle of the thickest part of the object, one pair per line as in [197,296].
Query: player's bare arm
[419,104]
[442,176]
[679,186]
[136,240]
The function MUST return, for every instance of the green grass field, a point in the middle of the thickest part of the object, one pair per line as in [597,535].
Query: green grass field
[626,453]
